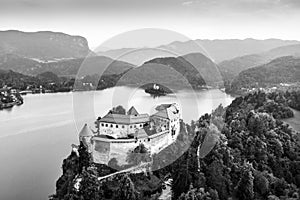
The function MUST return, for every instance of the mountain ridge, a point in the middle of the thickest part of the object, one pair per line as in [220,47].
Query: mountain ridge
[71,67]
[283,70]
[231,68]
[189,71]
[44,45]
[217,50]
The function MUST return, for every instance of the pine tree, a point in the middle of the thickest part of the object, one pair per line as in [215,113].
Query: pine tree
[244,189]
[90,187]
[126,191]
[85,159]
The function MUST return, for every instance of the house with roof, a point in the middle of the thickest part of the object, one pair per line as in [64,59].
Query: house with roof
[119,133]
[122,125]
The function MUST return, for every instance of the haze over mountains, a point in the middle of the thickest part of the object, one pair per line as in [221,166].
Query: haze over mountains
[62,54]
[178,64]
[44,45]
[68,67]
[216,50]
[231,68]
[280,70]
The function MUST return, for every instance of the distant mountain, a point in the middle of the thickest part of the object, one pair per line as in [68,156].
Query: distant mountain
[67,67]
[44,45]
[216,50]
[136,56]
[220,50]
[280,70]
[231,68]
[189,71]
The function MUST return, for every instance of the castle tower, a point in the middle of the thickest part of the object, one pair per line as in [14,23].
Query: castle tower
[85,136]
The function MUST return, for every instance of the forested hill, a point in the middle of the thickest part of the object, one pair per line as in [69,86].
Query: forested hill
[241,152]
[189,71]
[47,80]
[257,156]
[231,68]
[280,70]
[68,67]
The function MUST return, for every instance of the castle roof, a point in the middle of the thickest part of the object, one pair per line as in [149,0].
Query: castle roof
[141,133]
[161,114]
[162,107]
[132,111]
[164,112]
[125,119]
[85,131]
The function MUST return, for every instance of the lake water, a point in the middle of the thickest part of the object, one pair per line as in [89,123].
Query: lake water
[36,136]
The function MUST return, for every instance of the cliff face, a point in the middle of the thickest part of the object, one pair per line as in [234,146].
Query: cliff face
[44,45]
[79,181]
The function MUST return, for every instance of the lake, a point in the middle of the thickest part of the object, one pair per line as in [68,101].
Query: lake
[36,136]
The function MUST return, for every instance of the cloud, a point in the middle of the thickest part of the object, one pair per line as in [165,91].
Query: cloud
[187,3]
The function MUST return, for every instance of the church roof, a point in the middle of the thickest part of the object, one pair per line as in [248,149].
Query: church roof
[85,131]
[125,119]
[132,111]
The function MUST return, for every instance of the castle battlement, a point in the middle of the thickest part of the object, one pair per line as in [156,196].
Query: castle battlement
[117,134]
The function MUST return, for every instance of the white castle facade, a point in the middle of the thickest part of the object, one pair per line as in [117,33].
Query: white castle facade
[119,133]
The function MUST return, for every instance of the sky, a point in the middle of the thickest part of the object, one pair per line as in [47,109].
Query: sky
[100,20]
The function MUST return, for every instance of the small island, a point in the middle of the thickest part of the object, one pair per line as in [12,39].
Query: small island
[157,90]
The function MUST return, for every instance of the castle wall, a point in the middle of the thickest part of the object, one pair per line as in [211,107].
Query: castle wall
[104,150]
[118,130]
[100,151]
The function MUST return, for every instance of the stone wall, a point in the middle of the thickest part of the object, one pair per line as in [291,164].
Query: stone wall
[104,150]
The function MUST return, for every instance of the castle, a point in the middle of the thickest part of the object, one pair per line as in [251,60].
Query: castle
[119,133]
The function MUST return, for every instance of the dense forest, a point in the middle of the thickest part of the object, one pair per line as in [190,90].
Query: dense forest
[241,152]
[48,80]
[283,70]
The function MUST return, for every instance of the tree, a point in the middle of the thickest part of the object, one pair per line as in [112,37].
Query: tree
[113,163]
[200,194]
[85,159]
[181,179]
[261,184]
[126,191]
[119,110]
[90,187]
[244,189]
[138,155]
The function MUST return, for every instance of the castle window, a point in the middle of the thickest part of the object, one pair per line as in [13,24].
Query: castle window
[117,126]
[134,126]
[141,125]
[106,125]
[102,124]
[130,126]
[111,125]
[123,126]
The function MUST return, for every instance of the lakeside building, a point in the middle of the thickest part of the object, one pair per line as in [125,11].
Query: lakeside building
[117,134]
